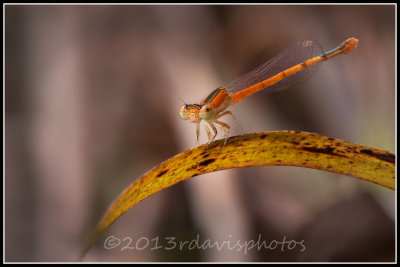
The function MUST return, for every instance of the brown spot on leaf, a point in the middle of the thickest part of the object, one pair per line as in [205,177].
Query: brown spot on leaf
[325,150]
[206,162]
[389,157]
[162,173]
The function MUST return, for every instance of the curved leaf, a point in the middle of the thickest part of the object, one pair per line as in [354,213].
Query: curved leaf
[286,148]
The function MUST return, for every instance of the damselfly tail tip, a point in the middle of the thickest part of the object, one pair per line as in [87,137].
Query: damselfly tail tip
[350,45]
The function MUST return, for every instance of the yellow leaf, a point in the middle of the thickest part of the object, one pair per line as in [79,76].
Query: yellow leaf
[286,148]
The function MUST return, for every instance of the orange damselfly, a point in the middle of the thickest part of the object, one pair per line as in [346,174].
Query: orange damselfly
[292,65]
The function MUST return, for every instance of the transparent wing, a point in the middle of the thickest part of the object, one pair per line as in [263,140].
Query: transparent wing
[293,55]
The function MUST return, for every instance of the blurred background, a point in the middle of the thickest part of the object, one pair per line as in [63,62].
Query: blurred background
[92,95]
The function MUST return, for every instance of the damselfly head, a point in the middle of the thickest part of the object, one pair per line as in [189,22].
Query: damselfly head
[207,112]
[190,112]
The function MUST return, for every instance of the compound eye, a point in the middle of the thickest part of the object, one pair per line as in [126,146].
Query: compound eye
[207,112]
[183,112]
